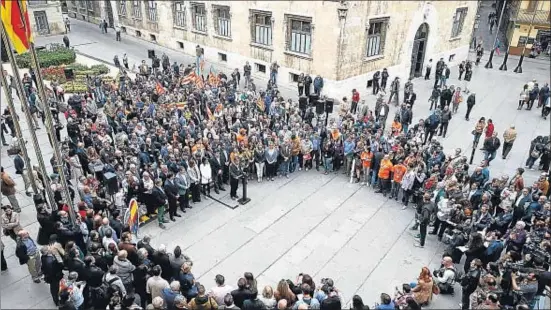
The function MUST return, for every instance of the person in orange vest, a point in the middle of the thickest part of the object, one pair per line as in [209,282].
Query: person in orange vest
[398,172]
[366,156]
[385,170]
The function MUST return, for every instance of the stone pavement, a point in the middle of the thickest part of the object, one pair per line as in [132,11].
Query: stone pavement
[310,223]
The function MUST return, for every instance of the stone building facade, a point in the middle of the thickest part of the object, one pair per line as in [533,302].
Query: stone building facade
[46,17]
[345,42]
[529,22]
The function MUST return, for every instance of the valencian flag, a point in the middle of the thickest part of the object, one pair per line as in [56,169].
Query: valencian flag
[17,25]
[260,105]
[199,82]
[189,78]
[159,88]
[132,216]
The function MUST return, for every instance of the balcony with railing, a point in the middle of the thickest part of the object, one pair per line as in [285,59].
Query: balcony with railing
[540,17]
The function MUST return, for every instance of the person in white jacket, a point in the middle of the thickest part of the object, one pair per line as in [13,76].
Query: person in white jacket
[206,176]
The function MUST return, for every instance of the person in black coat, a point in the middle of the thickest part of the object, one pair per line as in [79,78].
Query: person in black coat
[410,98]
[217,173]
[47,223]
[73,263]
[115,222]
[144,243]
[475,250]
[162,259]
[171,191]
[52,271]
[242,293]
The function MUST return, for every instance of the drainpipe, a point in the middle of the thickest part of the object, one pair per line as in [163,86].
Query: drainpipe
[342,11]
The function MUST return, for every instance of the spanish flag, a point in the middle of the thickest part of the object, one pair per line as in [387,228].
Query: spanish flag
[17,25]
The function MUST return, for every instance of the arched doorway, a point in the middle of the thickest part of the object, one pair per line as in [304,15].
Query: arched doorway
[419,49]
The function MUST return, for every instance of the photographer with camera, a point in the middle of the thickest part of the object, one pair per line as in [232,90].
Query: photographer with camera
[445,276]
[526,285]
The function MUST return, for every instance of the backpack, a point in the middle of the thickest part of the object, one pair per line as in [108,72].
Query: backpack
[106,290]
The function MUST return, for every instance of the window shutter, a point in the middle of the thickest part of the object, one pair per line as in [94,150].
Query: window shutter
[215,17]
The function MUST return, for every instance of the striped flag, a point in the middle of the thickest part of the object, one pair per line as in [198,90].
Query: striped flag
[159,88]
[218,108]
[260,105]
[189,78]
[133,216]
[17,25]
[199,82]
[209,114]
[213,80]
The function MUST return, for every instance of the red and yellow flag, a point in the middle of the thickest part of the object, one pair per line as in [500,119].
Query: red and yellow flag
[261,105]
[159,88]
[199,82]
[209,114]
[189,78]
[219,108]
[17,25]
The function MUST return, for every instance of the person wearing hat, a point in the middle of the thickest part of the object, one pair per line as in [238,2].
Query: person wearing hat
[10,222]
[7,188]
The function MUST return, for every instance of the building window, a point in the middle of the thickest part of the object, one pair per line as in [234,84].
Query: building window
[299,37]
[137,9]
[293,78]
[122,8]
[82,4]
[37,2]
[41,20]
[153,37]
[458,21]
[180,44]
[138,33]
[260,68]
[199,17]
[261,28]
[89,5]
[376,35]
[524,40]
[222,57]
[222,20]
[179,14]
[152,11]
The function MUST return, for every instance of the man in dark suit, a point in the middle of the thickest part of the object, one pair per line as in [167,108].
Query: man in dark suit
[411,97]
[171,191]
[19,164]
[224,158]
[217,172]
[159,198]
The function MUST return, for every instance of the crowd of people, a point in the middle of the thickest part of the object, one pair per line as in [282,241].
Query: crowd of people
[173,134]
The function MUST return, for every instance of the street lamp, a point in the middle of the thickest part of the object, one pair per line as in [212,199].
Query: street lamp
[518,69]
[489,63]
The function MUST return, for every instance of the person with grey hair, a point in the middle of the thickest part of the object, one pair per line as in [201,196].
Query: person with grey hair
[27,252]
[180,302]
[144,243]
[169,295]
[113,279]
[156,304]
[125,269]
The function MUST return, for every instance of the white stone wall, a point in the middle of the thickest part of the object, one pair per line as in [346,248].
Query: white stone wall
[338,58]
[54,14]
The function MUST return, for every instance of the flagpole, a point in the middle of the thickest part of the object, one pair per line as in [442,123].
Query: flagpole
[26,109]
[18,132]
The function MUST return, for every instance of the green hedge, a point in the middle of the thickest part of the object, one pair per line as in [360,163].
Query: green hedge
[49,57]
